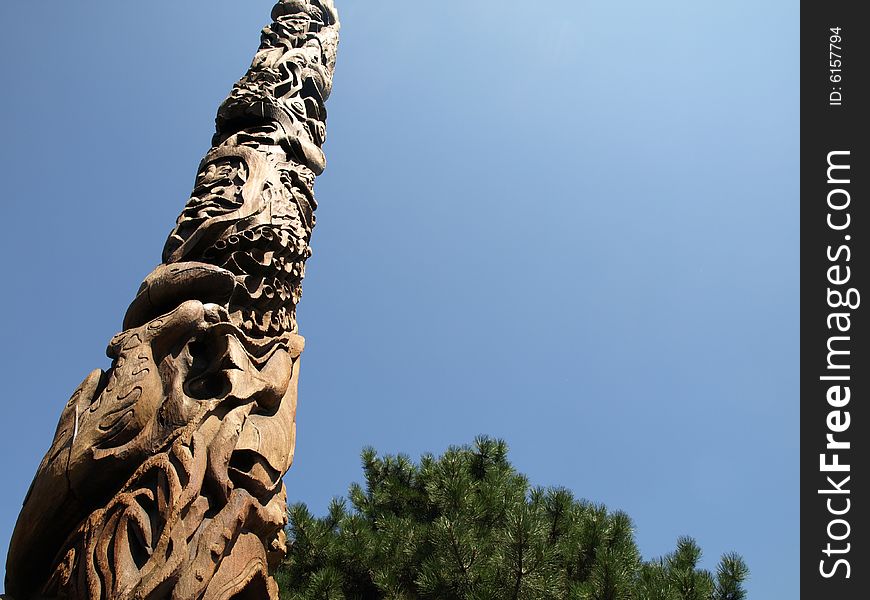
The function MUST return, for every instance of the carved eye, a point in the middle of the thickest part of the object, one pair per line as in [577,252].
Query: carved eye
[206,378]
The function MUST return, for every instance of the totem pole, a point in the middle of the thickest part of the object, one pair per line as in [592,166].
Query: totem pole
[164,476]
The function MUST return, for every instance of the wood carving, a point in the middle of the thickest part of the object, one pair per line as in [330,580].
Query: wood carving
[164,476]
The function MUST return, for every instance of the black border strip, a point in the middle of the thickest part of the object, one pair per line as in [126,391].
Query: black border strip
[835,228]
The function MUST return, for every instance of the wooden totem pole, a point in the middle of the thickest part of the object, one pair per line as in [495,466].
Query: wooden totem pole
[164,476]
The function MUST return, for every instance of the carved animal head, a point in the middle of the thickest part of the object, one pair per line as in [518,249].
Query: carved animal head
[184,439]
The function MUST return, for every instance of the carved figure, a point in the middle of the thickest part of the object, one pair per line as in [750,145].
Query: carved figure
[164,476]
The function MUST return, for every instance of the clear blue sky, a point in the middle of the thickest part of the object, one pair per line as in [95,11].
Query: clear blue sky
[571,224]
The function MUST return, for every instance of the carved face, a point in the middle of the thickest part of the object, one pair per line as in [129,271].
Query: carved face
[299,24]
[296,16]
[189,417]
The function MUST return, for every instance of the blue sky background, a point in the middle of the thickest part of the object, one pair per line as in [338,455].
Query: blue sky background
[572,225]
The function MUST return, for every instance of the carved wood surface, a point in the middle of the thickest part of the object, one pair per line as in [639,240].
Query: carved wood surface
[164,476]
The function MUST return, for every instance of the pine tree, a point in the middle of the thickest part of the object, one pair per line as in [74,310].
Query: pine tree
[467,526]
